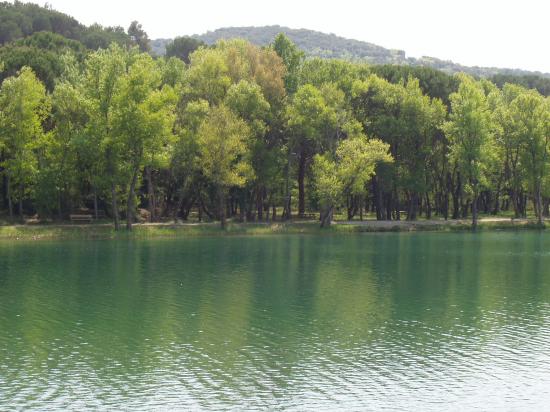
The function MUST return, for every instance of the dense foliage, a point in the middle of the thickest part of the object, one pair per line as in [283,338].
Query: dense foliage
[19,20]
[251,133]
[40,38]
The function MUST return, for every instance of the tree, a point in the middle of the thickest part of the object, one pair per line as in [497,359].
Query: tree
[530,117]
[143,120]
[103,73]
[247,101]
[23,108]
[222,139]
[376,103]
[347,172]
[139,36]
[184,157]
[292,58]
[208,76]
[309,119]
[509,142]
[469,133]
[182,47]
[62,163]
[419,120]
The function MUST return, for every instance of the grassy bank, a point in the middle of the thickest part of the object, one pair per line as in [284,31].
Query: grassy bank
[147,231]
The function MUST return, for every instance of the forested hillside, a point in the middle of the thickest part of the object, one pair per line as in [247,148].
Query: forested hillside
[19,20]
[234,130]
[317,44]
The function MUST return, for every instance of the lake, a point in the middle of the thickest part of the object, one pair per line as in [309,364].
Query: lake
[406,321]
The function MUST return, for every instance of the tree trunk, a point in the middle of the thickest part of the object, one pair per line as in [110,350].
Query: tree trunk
[474,210]
[151,204]
[259,204]
[413,206]
[242,206]
[397,203]
[59,208]
[377,198]
[21,201]
[301,189]
[179,205]
[180,199]
[130,202]
[287,213]
[115,206]
[456,198]
[351,206]
[8,195]
[326,217]
[496,208]
[221,199]
[515,203]
[538,197]
[187,206]
[96,214]
[428,207]
[389,205]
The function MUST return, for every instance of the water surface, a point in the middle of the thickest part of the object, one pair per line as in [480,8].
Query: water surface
[426,321]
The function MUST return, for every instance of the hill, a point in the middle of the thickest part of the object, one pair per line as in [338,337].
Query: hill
[20,20]
[318,44]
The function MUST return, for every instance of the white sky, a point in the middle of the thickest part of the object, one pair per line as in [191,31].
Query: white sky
[502,33]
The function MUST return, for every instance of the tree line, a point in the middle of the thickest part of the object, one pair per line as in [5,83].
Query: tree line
[261,133]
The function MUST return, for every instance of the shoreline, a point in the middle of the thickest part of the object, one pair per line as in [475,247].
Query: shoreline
[104,231]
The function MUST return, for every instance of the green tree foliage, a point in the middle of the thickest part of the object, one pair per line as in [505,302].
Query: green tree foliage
[311,119]
[184,162]
[530,119]
[23,107]
[104,71]
[529,81]
[347,172]
[341,73]
[292,58]
[433,82]
[142,121]
[139,36]
[182,47]
[222,139]
[469,131]
[243,132]
[19,20]
[43,52]
[97,37]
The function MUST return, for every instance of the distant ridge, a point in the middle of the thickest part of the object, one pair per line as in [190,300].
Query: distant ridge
[318,44]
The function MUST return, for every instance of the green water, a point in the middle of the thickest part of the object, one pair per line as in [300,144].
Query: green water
[426,321]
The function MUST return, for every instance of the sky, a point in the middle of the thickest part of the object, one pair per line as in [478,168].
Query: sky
[503,33]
